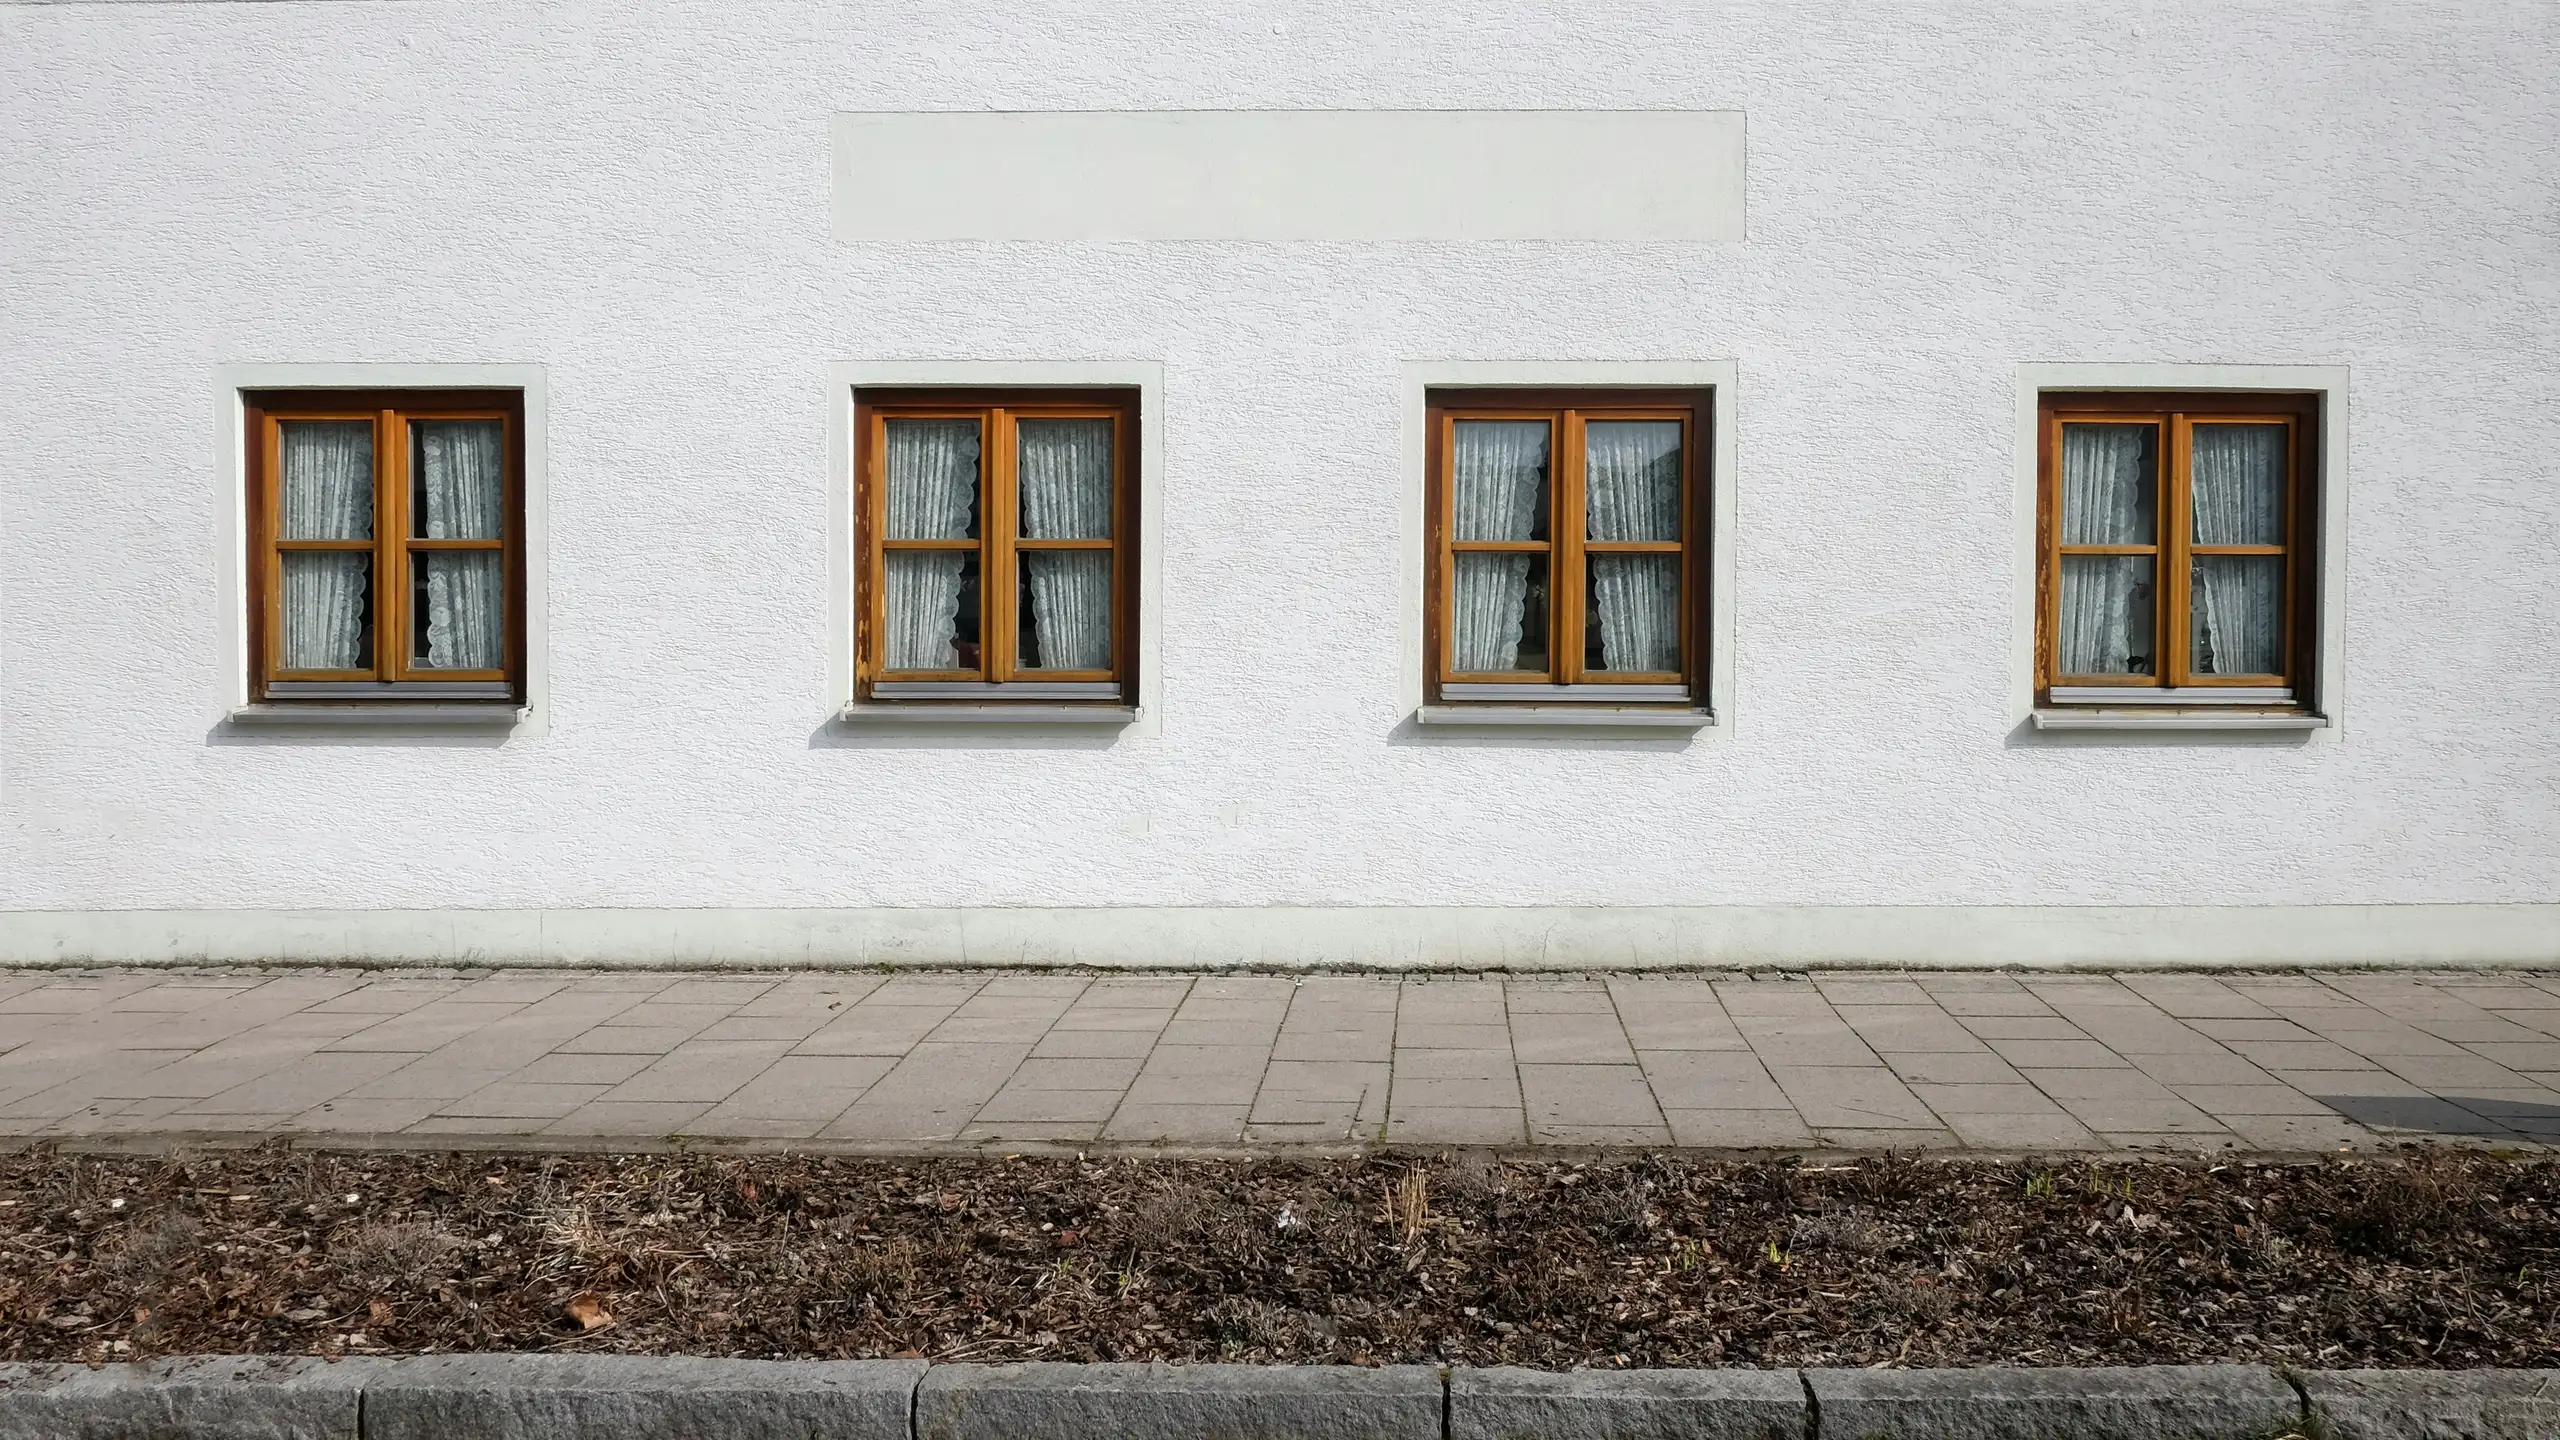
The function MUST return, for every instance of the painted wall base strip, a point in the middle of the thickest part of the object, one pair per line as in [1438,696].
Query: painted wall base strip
[1524,938]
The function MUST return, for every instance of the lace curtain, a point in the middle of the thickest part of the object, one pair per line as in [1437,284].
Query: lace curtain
[1631,491]
[1500,473]
[2236,604]
[459,492]
[931,472]
[326,493]
[2107,499]
[1062,476]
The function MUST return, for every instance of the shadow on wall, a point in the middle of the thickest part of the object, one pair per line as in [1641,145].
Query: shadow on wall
[2474,1115]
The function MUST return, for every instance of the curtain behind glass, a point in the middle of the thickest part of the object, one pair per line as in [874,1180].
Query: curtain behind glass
[1062,477]
[1499,470]
[1631,491]
[2236,603]
[325,492]
[459,492]
[931,473]
[2108,498]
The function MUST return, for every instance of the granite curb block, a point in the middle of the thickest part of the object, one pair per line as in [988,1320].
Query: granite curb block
[1180,1402]
[556,1397]
[2435,1404]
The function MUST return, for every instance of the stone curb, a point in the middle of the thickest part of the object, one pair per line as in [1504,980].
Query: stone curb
[558,1397]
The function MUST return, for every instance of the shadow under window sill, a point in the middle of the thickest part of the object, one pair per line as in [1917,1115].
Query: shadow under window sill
[421,716]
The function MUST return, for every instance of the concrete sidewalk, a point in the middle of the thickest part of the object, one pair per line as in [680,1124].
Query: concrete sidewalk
[936,1060]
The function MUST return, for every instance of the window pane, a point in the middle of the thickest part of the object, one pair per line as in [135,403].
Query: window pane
[1063,471]
[931,610]
[1064,601]
[2238,474]
[328,610]
[2236,610]
[931,467]
[1631,479]
[1500,622]
[326,489]
[1634,609]
[458,609]
[2106,615]
[2109,485]
[1500,467]
[457,479]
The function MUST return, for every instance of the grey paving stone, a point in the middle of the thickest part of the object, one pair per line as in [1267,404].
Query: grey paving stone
[2161,1402]
[2436,1404]
[1178,1402]
[1510,1404]
[550,1397]
[235,1398]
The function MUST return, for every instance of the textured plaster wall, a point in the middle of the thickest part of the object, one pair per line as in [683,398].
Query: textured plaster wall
[636,197]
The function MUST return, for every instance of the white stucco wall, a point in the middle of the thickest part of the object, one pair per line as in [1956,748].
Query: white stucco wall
[637,200]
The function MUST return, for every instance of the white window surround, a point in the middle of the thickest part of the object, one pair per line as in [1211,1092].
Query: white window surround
[529,720]
[2324,724]
[1423,376]
[843,379]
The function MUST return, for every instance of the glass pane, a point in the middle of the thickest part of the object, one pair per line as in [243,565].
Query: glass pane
[457,479]
[458,609]
[2236,611]
[1500,467]
[2109,484]
[1500,622]
[931,468]
[326,484]
[931,610]
[1064,600]
[1063,474]
[328,610]
[2107,608]
[1631,479]
[2238,477]
[1633,610]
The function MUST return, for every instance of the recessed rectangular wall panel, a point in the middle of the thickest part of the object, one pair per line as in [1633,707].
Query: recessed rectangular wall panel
[1630,175]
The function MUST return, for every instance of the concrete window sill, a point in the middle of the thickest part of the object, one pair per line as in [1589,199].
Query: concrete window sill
[1095,716]
[1565,717]
[407,717]
[2174,720]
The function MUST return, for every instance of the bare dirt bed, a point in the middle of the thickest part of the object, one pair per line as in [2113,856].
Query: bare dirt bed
[2441,1259]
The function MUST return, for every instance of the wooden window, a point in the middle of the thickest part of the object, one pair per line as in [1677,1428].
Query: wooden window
[1568,544]
[386,553]
[2174,562]
[999,545]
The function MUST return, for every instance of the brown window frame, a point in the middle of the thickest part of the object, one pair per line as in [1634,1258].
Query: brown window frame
[998,679]
[1567,678]
[2172,680]
[391,679]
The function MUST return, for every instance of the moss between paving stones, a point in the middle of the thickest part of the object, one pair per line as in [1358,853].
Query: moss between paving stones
[2444,1259]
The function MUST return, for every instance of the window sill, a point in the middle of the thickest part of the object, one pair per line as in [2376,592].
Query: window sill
[422,717]
[1565,717]
[990,715]
[2175,720]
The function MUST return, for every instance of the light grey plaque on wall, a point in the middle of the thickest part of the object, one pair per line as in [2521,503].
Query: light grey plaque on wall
[1628,175]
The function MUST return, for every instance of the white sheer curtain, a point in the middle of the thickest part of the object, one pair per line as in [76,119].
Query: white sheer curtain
[2107,499]
[326,493]
[1631,491]
[931,470]
[459,492]
[2237,601]
[1062,477]
[1500,470]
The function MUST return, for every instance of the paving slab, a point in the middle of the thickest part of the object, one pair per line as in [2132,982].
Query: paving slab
[2008,1062]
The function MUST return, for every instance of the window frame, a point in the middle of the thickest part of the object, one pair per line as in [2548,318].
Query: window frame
[392,678]
[1567,680]
[2173,680]
[999,678]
